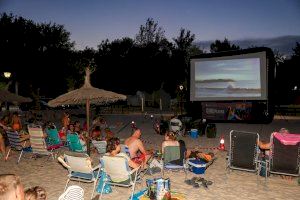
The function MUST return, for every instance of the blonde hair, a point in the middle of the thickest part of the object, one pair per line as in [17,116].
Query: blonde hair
[35,193]
[8,184]
[171,135]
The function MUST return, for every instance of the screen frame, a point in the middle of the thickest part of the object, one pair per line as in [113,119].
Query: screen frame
[261,53]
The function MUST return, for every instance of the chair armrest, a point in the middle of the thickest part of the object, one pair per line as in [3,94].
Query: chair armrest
[96,167]
[134,170]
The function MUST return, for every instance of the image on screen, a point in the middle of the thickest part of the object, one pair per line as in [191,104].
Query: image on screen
[231,78]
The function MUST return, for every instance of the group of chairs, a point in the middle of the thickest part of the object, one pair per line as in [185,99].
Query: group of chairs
[244,154]
[38,144]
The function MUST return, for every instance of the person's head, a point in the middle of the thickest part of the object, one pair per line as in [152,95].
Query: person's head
[113,144]
[283,130]
[35,193]
[11,187]
[97,128]
[66,114]
[77,123]
[137,133]
[170,136]
[71,127]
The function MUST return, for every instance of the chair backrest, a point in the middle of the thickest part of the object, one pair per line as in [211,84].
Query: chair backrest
[37,140]
[171,153]
[14,139]
[52,136]
[285,158]
[78,162]
[243,151]
[125,149]
[73,192]
[116,167]
[100,146]
[74,142]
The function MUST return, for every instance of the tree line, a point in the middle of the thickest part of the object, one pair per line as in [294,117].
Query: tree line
[44,61]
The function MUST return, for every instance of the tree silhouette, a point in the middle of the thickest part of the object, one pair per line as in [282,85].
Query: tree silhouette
[150,33]
[225,45]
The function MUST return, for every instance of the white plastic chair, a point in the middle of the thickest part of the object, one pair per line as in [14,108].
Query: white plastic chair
[80,169]
[117,168]
[73,192]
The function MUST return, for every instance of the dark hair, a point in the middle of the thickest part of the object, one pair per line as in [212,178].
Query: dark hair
[111,144]
[97,128]
[171,135]
[182,143]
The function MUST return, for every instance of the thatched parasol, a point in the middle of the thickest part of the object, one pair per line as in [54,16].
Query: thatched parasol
[6,96]
[87,95]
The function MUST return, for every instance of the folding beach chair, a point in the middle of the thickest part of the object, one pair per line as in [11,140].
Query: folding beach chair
[80,169]
[37,141]
[172,153]
[16,144]
[119,172]
[53,140]
[74,192]
[243,151]
[285,154]
[74,143]
[100,146]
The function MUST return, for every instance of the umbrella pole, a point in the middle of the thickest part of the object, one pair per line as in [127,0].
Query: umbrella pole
[88,126]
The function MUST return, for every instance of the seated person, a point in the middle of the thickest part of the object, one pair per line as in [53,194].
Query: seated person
[96,133]
[35,193]
[11,187]
[206,157]
[113,148]
[170,140]
[109,133]
[136,148]
[16,122]
[266,145]
[77,127]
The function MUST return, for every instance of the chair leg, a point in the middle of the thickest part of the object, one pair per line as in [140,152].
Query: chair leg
[7,154]
[104,182]
[95,183]
[20,157]
[67,184]
[133,186]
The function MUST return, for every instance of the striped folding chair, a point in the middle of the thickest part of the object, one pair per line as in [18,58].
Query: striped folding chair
[73,192]
[37,141]
[15,143]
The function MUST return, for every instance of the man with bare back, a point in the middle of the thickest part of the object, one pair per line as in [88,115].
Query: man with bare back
[136,148]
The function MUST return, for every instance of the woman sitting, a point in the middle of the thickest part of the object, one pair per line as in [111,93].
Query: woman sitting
[113,148]
[96,133]
[170,140]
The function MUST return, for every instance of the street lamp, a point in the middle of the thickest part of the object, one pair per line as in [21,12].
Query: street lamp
[7,74]
[181,97]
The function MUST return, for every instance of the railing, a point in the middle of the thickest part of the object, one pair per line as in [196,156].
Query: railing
[287,110]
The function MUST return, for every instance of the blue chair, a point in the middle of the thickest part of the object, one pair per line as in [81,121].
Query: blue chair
[172,153]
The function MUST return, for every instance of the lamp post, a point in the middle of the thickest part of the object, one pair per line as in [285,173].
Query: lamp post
[181,97]
[8,75]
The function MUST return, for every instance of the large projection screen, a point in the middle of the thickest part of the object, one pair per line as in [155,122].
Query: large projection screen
[235,77]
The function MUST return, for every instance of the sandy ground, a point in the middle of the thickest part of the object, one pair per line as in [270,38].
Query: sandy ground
[226,185]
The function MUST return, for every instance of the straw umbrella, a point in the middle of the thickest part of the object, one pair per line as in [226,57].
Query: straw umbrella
[6,96]
[87,95]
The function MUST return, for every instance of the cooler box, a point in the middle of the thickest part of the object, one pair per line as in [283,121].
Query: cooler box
[194,133]
[196,166]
